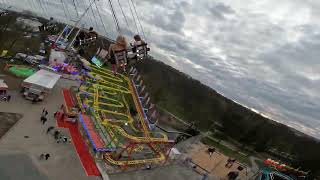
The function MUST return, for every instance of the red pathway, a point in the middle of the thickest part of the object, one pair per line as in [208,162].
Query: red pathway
[67,98]
[79,144]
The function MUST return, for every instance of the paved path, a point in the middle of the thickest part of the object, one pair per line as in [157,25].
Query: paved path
[63,164]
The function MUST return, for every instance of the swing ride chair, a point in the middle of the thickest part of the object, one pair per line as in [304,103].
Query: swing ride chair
[121,58]
[142,51]
[88,40]
[106,101]
[51,27]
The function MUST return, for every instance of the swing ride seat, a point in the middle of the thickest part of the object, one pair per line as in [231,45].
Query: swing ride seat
[88,40]
[121,57]
[142,51]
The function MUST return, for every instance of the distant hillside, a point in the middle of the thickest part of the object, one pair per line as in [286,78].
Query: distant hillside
[195,102]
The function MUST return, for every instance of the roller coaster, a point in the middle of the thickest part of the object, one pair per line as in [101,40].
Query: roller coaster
[109,101]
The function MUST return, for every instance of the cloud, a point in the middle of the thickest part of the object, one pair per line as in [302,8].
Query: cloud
[168,21]
[219,10]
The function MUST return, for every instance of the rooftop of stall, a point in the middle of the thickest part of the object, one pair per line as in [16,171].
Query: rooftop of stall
[43,78]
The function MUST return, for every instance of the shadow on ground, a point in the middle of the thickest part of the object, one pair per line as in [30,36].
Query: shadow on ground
[7,120]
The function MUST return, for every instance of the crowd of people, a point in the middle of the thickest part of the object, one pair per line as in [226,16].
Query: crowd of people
[56,133]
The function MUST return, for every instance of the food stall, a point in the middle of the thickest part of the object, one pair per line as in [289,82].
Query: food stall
[38,85]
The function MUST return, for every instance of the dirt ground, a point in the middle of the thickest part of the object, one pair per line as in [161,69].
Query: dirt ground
[7,120]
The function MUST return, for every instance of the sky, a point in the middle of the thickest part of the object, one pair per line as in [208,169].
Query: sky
[262,54]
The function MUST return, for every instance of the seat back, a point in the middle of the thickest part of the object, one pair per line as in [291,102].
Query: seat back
[88,40]
[121,57]
[142,51]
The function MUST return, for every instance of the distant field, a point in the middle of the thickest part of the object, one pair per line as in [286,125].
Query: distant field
[7,120]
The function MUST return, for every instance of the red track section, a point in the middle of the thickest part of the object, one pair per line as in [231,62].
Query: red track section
[67,98]
[95,137]
[81,147]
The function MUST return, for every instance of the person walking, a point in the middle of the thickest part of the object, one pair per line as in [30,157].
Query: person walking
[41,156]
[50,129]
[59,139]
[46,113]
[8,98]
[55,114]
[205,177]
[47,156]
[44,120]
[65,139]
[62,116]
[56,134]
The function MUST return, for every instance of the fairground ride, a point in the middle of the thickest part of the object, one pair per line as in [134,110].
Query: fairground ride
[109,101]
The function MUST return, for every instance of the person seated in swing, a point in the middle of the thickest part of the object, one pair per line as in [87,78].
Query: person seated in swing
[50,25]
[85,37]
[117,53]
[80,38]
[92,33]
[139,48]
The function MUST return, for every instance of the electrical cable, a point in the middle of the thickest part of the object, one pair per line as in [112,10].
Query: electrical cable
[134,7]
[104,27]
[115,17]
[125,18]
[134,19]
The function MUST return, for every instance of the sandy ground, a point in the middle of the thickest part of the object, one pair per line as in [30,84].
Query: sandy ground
[16,150]
[214,164]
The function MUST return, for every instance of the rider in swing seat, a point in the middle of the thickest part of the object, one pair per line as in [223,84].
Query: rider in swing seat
[119,47]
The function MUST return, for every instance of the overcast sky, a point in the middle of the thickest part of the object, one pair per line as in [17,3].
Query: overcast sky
[263,54]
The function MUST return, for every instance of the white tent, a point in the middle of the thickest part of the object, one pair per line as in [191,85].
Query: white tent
[42,80]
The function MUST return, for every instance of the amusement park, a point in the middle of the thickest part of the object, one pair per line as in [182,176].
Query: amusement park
[99,118]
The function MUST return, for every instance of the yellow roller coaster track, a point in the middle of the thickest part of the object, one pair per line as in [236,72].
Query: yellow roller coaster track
[104,84]
[159,159]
